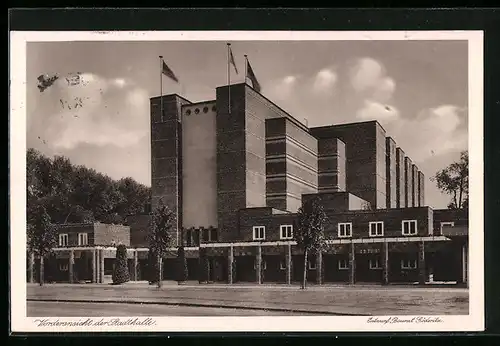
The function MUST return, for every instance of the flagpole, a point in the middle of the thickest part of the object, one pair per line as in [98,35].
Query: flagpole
[229,77]
[161,88]
[246,66]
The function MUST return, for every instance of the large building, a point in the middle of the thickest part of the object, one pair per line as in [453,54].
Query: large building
[235,174]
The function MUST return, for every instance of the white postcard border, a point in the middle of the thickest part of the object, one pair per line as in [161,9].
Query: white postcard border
[17,125]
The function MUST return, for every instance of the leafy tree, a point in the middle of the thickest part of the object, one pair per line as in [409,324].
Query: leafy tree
[182,270]
[41,235]
[162,224]
[120,271]
[309,233]
[454,181]
[79,194]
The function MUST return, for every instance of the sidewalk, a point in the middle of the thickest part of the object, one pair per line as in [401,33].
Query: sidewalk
[331,300]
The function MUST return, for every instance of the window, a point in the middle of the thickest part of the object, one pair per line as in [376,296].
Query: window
[286,231]
[409,227]
[312,265]
[82,239]
[263,265]
[345,230]
[63,239]
[259,233]
[376,228]
[63,267]
[213,235]
[343,264]
[282,265]
[446,224]
[408,264]
[375,263]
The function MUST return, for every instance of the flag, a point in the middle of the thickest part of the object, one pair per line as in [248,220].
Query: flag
[231,60]
[168,72]
[251,75]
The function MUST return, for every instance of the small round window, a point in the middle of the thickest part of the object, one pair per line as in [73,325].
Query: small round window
[196,111]
[205,109]
[188,112]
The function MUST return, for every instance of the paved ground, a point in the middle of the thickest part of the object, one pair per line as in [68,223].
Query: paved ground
[47,309]
[339,300]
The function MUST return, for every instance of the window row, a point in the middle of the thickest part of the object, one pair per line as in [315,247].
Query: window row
[82,239]
[376,228]
[286,232]
[343,264]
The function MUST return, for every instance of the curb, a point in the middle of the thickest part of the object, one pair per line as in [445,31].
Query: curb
[316,312]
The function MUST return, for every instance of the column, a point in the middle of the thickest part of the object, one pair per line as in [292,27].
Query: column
[352,264]
[464,264]
[288,261]
[421,263]
[230,263]
[319,267]
[94,266]
[258,266]
[70,265]
[31,267]
[136,266]
[101,266]
[385,263]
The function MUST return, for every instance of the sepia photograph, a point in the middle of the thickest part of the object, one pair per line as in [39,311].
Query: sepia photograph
[322,176]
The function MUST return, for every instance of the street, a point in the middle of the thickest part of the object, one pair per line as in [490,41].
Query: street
[45,309]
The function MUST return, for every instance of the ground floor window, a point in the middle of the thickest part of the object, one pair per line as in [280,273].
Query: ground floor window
[63,267]
[312,265]
[263,265]
[343,264]
[283,265]
[408,264]
[375,263]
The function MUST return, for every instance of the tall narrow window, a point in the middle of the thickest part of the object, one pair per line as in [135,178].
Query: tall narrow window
[345,230]
[82,239]
[286,231]
[409,227]
[259,233]
[63,239]
[376,229]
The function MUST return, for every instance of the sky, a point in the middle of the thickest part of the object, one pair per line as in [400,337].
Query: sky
[417,90]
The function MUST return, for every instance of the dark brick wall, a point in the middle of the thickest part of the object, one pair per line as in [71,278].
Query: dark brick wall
[458,216]
[421,189]
[390,169]
[72,230]
[365,158]
[400,178]
[337,201]
[263,217]
[105,234]
[414,186]
[166,155]
[331,165]
[392,219]
[408,182]
[139,229]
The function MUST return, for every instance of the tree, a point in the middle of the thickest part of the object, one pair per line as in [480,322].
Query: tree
[42,235]
[454,181]
[309,233]
[120,271]
[182,270]
[162,224]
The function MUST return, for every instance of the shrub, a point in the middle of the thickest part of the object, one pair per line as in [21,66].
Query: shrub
[182,270]
[120,271]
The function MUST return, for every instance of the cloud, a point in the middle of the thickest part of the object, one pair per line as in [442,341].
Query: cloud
[369,78]
[95,111]
[325,80]
[377,111]
[282,89]
[433,132]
